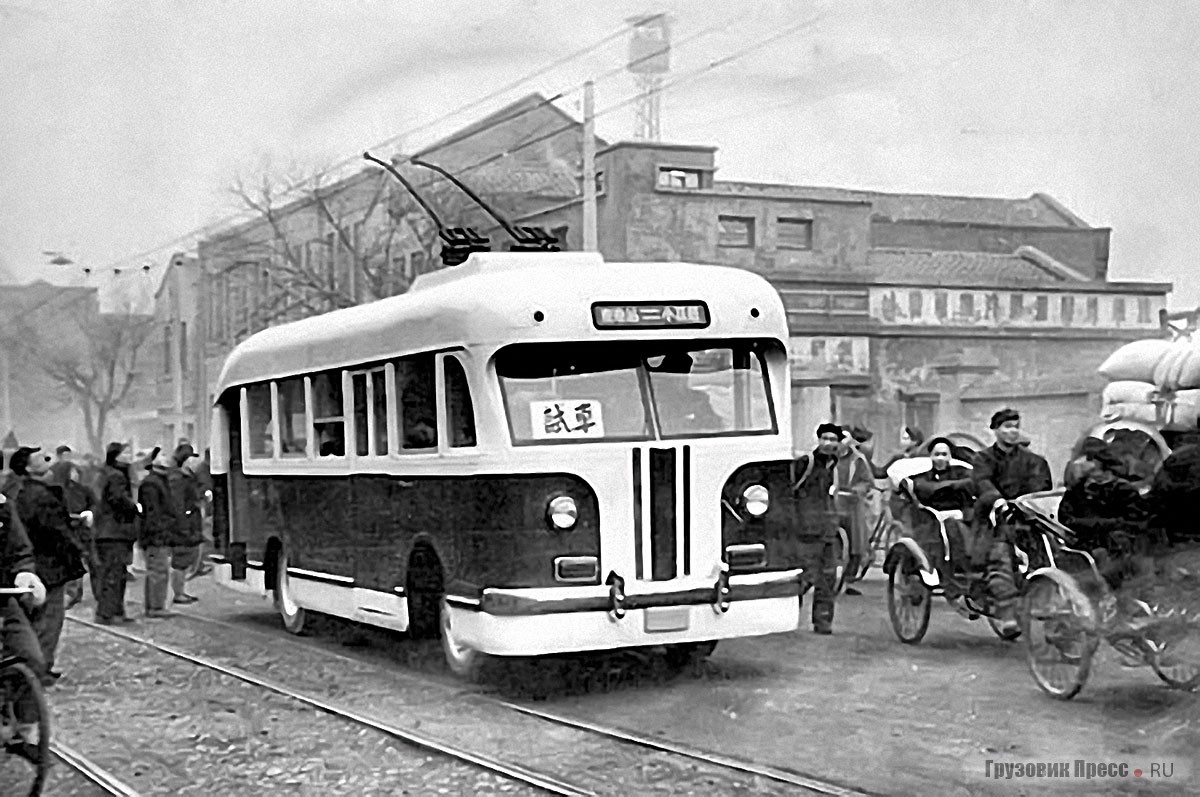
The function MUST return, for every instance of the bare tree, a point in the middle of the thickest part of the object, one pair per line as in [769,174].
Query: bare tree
[314,245]
[96,372]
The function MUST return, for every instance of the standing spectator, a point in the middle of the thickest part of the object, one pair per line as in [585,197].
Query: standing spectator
[56,549]
[854,482]
[204,483]
[115,534]
[160,530]
[816,477]
[81,503]
[63,454]
[185,551]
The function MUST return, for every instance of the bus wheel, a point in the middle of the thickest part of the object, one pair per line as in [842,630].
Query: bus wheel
[463,661]
[292,615]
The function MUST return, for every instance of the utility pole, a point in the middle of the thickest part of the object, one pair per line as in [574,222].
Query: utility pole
[6,421]
[176,288]
[590,243]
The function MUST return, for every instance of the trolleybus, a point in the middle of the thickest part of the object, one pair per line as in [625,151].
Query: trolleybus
[525,454]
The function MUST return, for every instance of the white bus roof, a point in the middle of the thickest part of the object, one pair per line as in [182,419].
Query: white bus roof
[492,299]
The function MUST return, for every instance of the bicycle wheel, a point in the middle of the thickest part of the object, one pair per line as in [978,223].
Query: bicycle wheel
[1177,662]
[1057,622]
[24,767]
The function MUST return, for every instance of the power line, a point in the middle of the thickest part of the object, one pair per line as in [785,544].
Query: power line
[214,226]
[249,216]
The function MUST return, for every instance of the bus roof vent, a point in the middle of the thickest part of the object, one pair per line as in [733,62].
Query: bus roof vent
[479,263]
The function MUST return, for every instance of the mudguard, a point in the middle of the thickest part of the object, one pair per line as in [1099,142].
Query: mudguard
[909,545]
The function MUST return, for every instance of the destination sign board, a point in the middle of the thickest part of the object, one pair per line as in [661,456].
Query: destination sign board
[650,315]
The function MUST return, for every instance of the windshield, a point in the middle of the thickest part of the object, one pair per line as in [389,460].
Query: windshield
[580,392]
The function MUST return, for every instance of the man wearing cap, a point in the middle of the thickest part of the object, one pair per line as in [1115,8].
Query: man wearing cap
[815,488]
[116,531]
[159,532]
[56,548]
[1105,511]
[1003,472]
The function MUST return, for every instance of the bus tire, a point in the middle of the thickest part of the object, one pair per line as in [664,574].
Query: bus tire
[463,661]
[294,617]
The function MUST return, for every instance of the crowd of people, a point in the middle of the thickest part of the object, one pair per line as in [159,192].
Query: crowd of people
[1120,522]
[64,520]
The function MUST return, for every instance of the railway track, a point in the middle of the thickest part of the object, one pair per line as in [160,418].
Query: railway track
[92,771]
[796,782]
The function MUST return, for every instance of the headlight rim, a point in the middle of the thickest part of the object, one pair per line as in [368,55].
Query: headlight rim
[562,506]
[756,499]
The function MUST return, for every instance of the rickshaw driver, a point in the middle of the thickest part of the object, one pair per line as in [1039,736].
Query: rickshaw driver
[1003,472]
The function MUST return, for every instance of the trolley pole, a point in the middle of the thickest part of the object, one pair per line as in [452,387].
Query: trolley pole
[590,243]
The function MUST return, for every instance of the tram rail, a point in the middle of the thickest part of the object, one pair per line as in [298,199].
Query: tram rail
[801,781]
[92,771]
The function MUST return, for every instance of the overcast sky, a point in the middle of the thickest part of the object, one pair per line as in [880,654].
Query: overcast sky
[124,123]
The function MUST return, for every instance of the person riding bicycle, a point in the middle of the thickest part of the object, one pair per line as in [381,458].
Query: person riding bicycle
[1003,472]
[17,637]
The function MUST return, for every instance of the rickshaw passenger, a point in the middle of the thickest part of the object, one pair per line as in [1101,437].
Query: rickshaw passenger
[1003,472]
[945,486]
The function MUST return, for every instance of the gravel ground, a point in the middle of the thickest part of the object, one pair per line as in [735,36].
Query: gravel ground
[443,711]
[166,726]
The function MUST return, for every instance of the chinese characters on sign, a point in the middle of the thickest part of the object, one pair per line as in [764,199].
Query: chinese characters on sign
[678,314]
[564,419]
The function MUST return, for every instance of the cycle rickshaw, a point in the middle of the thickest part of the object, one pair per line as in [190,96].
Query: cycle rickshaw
[941,556]
[1069,606]
[24,766]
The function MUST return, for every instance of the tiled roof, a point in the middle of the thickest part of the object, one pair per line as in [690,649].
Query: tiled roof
[923,267]
[1034,211]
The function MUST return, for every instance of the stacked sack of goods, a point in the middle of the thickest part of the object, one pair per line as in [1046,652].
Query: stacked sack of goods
[1154,381]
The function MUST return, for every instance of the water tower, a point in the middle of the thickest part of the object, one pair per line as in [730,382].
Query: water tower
[649,60]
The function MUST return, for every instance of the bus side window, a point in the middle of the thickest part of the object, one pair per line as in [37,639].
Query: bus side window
[415,402]
[329,424]
[293,429]
[459,412]
[259,443]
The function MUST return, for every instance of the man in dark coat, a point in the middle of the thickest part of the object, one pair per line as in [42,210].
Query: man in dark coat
[56,547]
[185,553]
[115,533]
[815,488]
[17,637]
[1174,496]
[159,532]
[1003,472]
[1108,516]
[81,503]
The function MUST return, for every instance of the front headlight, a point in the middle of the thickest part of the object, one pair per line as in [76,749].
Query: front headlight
[756,500]
[561,513]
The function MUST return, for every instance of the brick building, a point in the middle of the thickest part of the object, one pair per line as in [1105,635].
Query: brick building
[923,310]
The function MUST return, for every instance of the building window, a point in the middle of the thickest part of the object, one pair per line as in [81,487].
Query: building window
[678,178]
[1093,310]
[914,304]
[794,233]
[991,309]
[417,267]
[1068,309]
[599,182]
[1041,308]
[1143,303]
[735,231]
[166,348]
[1119,309]
[183,349]
[966,305]
[1016,306]
[561,234]
[941,303]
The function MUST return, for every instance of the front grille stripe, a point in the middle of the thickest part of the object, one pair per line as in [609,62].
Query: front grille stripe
[663,549]
[637,511]
[687,510]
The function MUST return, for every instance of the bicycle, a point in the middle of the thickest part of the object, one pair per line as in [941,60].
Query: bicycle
[25,764]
